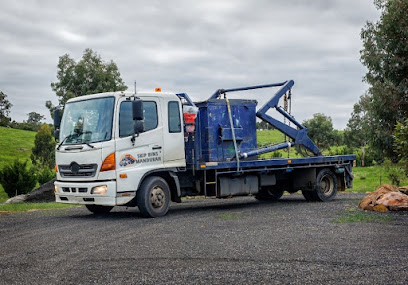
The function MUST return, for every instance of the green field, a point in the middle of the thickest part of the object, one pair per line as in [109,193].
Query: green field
[271,137]
[367,179]
[15,144]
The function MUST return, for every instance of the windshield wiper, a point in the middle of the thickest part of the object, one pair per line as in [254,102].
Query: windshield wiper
[87,143]
[70,136]
[67,137]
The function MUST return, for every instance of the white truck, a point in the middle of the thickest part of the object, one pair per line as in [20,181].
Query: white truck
[124,149]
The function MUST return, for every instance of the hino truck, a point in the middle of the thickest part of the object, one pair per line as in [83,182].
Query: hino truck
[146,149]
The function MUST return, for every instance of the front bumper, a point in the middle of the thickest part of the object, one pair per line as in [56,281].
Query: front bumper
[80,193]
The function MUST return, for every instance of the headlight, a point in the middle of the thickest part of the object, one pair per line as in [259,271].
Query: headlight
[100,190]
[56,189]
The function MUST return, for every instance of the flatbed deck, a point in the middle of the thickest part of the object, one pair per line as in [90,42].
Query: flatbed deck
[281,162]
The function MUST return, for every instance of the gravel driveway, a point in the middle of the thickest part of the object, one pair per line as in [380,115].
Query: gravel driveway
[208,241]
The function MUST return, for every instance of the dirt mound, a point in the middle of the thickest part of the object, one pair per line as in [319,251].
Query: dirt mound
[44,193]
[386,198]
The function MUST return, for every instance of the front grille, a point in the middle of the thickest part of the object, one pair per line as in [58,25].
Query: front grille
[78,170]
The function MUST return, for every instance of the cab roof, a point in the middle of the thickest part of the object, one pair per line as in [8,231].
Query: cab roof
[119,94]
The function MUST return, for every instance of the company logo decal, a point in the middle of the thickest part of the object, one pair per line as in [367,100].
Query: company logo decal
[127,159]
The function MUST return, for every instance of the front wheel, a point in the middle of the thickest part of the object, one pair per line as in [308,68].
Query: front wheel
[325,189]
[99,209]
[153,197]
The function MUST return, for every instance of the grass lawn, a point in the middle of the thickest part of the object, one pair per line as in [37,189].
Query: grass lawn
[367,179]
[270,137]
[267,137]
[23,207]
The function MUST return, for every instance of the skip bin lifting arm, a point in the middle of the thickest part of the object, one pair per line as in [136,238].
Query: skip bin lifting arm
[299,135]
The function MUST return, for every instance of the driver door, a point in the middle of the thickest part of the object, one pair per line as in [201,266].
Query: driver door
[146,153]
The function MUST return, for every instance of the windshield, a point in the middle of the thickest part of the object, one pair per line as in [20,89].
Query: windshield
[87,121]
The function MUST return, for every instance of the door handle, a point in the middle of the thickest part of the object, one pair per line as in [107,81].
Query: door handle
[156,147]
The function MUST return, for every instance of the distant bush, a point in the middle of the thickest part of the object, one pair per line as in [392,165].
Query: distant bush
[25,126]
[276,154]
[395,172]
[45,174]
[17,178]
[369,159]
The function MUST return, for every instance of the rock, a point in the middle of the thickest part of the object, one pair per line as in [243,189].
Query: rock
[403,190]
[386,197]
[393,199]
[16,199]
[370,200]
[380,208]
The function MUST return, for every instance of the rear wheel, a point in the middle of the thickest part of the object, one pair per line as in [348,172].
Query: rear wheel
[153,197]
[269,194]
[99,209]
[325,189]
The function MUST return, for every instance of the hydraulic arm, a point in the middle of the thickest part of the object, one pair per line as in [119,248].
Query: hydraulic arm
[298,135]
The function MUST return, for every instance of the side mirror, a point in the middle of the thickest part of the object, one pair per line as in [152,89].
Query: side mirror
[56,134]
[57,118]
[137,110]
[138,127]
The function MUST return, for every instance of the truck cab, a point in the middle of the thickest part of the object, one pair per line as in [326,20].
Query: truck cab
[101,159]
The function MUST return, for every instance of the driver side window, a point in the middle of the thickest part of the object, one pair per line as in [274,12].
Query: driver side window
[126,122]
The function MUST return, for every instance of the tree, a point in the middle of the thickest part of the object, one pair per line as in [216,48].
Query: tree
[90,75]
[43,150]
[320,130]
[358,132]
[34,118]
[401,143]
[5,107]
[385,54]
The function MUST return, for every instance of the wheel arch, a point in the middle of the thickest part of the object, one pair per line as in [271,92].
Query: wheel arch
[170,176]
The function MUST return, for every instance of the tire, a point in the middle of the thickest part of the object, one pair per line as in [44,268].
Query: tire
[98,209]
[325,189]
[153,197]
[269,194]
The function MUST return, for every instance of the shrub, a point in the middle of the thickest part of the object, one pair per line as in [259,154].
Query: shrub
[276,154]
[45,174]
[395,172]
[17,178]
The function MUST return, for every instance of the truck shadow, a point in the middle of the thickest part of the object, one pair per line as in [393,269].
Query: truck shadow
[194,207]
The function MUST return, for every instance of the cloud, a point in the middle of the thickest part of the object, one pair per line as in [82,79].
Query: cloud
[194,47]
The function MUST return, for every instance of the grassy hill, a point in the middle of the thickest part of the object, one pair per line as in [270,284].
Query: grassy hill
[14,144]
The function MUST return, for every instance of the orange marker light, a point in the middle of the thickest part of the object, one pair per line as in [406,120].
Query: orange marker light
[123,175]
[108,163]
[158,89]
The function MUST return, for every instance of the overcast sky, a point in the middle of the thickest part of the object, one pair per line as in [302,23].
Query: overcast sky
[192,46]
